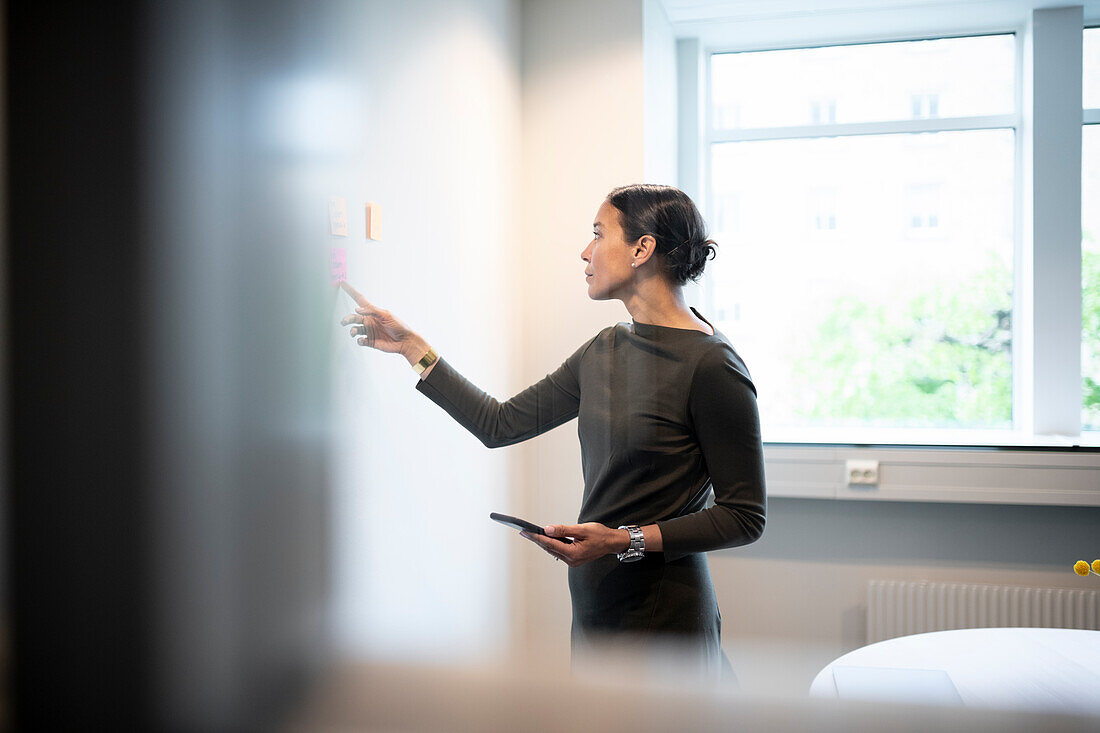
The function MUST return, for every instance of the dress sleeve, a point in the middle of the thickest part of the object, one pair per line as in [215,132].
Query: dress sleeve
[722,405]
[546,404]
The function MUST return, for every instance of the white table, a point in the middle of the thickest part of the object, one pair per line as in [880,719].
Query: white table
[1048,670]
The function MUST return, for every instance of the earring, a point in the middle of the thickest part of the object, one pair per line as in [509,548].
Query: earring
[633,264]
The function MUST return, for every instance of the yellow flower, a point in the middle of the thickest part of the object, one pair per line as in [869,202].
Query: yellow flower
[1081,567]
[1096,566]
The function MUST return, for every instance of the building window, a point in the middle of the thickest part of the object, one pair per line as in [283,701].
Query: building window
[923,207]
[900,322]
[823,206]
[823,112]
[925,106]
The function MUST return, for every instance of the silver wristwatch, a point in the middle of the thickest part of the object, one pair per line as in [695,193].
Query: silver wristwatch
[636,551]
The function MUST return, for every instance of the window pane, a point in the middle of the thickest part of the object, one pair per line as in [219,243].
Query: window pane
[869,282]
[1091,71]
[949,77]
[1090,276]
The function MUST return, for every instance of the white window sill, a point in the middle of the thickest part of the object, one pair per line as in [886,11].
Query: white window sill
[928,437]
[1050,475]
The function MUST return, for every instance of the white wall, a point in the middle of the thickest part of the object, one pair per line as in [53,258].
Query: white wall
[417,562]
[582,135]
[659,125]
[661,113]
[461,102]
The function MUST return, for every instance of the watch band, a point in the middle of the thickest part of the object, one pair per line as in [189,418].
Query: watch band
[425,361]
[636,551]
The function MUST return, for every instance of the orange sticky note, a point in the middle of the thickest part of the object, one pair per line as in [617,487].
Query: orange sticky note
[374,221]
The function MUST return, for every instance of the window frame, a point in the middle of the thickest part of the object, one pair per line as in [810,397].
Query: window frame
[1027,468]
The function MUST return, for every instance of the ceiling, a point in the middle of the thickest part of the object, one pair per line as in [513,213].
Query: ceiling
[688,11]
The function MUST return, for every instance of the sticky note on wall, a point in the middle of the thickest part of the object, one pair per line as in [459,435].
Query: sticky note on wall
[374,221]
[338,216]
[338,265]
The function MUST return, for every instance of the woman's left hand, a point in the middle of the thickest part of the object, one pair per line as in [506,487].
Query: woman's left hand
[591,540]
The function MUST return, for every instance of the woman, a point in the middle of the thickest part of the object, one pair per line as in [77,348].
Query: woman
[667,418]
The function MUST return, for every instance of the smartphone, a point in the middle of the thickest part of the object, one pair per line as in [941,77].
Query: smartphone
[526,526]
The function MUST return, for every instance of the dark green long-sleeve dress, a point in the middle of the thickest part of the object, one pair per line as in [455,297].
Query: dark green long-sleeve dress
[667,421]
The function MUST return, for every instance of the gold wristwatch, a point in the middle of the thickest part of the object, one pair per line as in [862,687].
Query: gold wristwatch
[425,361]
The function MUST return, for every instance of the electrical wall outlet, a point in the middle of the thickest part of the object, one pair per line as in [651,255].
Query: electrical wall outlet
[861,473]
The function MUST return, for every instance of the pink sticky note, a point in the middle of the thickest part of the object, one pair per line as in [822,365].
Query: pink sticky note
[338,264]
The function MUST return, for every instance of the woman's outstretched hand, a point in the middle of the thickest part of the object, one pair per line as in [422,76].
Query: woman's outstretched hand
[375,327]
[591,540]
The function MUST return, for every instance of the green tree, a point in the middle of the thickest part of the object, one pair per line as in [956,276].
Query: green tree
[1090,331]
[942,359]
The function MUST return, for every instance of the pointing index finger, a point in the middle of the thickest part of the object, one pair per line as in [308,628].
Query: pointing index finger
[355,294]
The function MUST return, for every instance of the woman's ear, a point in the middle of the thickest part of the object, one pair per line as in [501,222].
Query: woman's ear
[645,247]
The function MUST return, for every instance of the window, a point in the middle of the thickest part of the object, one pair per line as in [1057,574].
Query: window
[727,115]
[966,77]
[728,214]
[823,111]
[925,105]
[1090,232]
[902,317]
[924,206]
[824,208]
[1090,77]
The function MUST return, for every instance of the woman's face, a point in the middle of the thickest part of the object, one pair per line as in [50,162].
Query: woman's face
[608,256]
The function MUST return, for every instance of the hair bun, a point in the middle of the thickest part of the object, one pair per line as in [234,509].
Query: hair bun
[697,251]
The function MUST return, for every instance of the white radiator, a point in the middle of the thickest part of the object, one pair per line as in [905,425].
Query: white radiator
[898,608]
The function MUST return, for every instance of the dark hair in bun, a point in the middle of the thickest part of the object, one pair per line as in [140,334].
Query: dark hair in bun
[669,216]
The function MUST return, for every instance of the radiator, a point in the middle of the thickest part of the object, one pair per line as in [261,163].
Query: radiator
[898,608]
